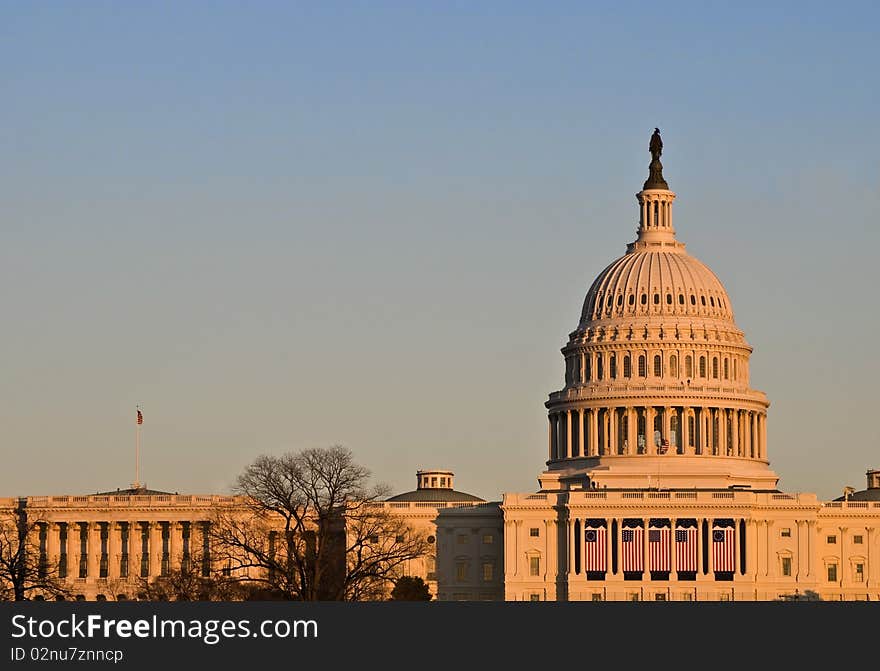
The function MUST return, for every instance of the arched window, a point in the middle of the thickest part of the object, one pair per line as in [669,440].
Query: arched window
[715,367]
[627,366]
[734,368]
[608,300]
[668,299]
[712,300]
[703,300]
[688,366]
[644,299]
[619,300]
[643,369]
[612,367]
[726,369]
[658,365]
[702,366]
[681,299]
[600,367]
[673,366]
[656,299]
[693,300]
[632,299]
[588,373]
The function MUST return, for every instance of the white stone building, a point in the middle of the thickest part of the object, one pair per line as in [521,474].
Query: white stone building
[657,483]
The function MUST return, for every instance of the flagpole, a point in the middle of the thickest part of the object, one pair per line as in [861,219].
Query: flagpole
[137,450]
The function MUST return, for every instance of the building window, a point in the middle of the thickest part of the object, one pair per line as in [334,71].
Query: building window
[693,300]
[633,596]
[534,566]
[659,596]
[656,299]
[668,299]
[488,539]
[726,369]
[627,367]
[715,367]
[857,540]
[534,597]
[687,596]
[461,571]
[612,367]
[643,368]
[658,365]
[600,367]
[488,571]
[831,540]
[104,563]
[702,366]
[860,573]
[595,596]
[461,539]
[83,550]
[786,566]
[632,299]
[832,572]
[786,532]
[644,299]
[681,299]
[534,532]
[688,366]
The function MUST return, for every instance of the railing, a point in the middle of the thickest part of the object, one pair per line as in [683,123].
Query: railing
[124,500]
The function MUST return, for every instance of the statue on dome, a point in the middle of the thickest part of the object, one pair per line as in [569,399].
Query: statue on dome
[655,170]
[656,145]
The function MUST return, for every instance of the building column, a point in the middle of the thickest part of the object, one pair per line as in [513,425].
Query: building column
[762,435]
[93,548]
[593,418]
[704,431]
[113,542]
[646,557]
[551,438]
[632,430]
[581,370]
[700,521]
[581,418]
[568,434]
[570,541]
[735,429]
[612,430]
[52,546]
[873,577]
[665,433]
[608,546]
[155,549]
[843,575]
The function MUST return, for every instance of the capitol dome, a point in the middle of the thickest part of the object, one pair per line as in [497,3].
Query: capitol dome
[657,390]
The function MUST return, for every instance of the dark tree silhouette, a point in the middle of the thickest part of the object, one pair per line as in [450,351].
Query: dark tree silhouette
[313,529]
[410,588]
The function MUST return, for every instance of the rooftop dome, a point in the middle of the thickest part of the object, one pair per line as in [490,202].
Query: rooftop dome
[435,486]
[656,283]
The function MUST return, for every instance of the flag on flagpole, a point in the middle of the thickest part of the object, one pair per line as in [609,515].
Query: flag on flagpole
[140,417]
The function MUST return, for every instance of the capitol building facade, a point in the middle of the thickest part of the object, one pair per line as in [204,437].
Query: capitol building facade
[657,483]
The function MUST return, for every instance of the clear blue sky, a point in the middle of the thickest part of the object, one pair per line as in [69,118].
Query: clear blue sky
[285,225]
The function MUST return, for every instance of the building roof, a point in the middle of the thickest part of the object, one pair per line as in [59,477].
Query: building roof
[136,491]
[872,494]
[436,496]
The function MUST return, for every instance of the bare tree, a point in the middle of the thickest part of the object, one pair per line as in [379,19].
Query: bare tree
[25,570]
[312,529]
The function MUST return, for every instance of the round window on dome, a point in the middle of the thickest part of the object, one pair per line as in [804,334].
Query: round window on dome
[656,299]
[632,299]
[644,299]
[668,299]
[681,299]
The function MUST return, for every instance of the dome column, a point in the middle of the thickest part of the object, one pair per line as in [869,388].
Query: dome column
[666,434]
[684,423]
[568,434]
[593,419]
[631,430]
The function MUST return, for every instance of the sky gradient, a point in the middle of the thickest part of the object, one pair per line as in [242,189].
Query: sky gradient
[286,225]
